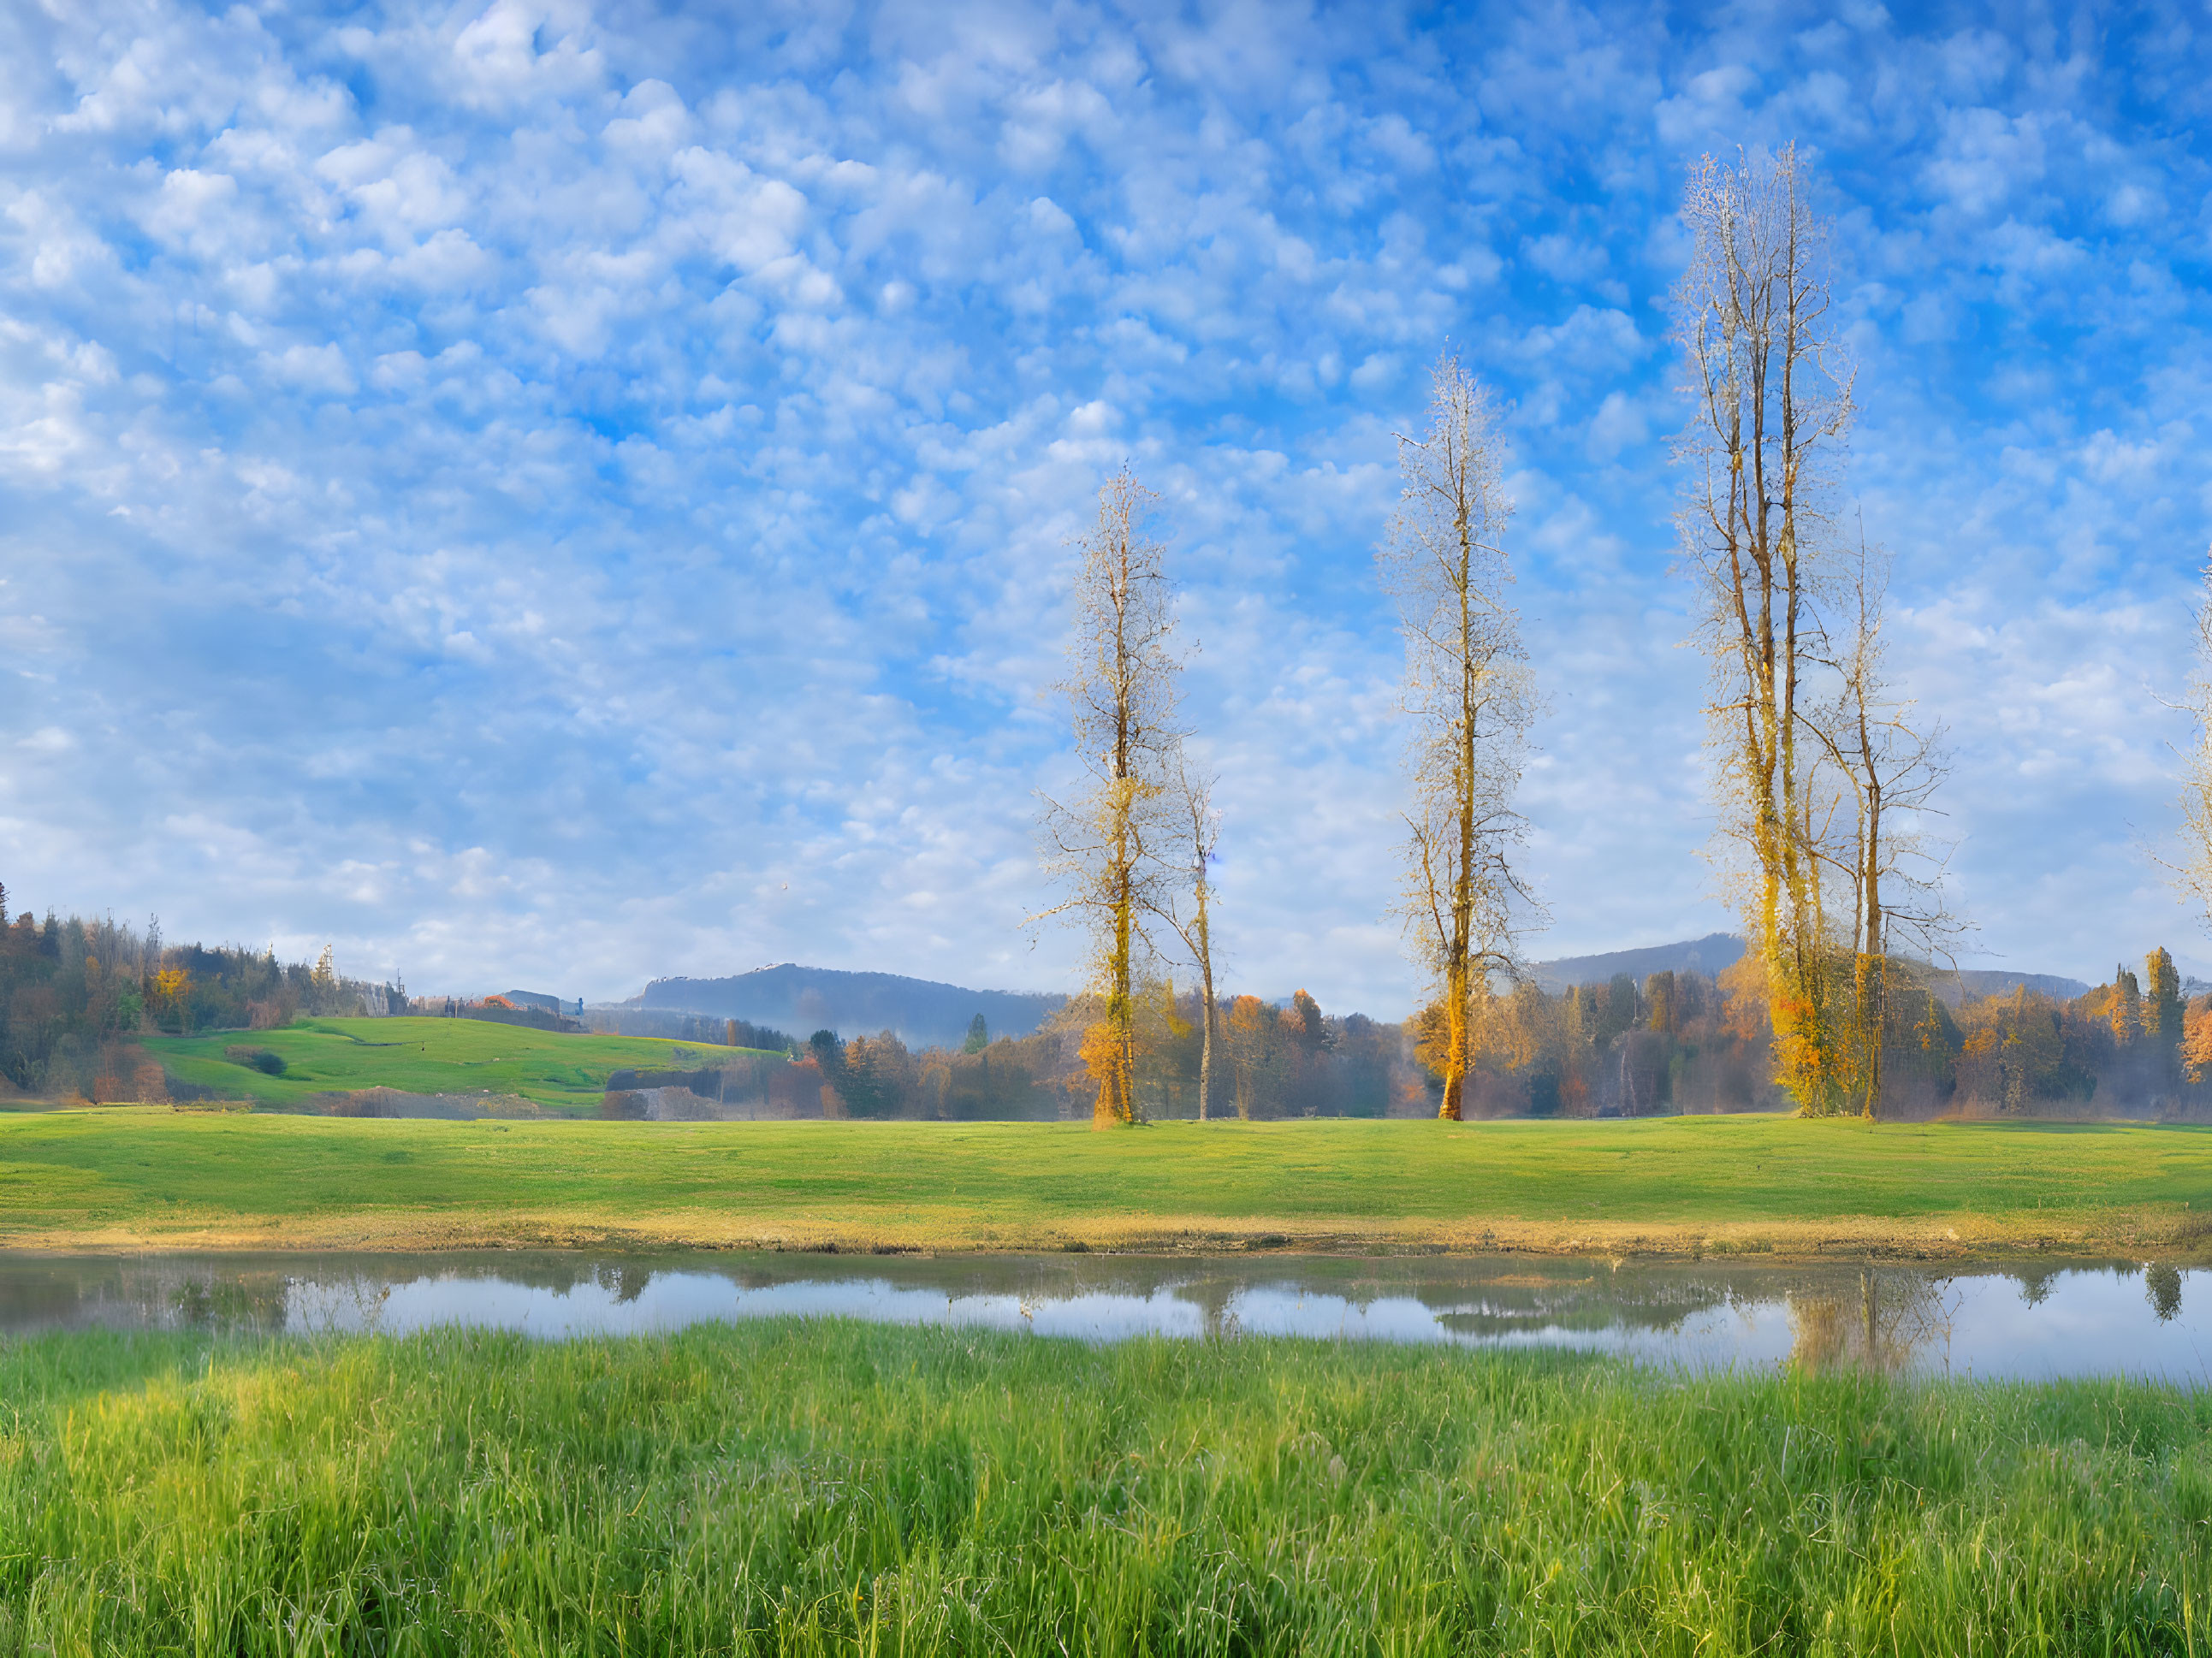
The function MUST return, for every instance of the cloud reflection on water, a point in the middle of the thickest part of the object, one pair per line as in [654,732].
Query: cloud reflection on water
[2036,1321]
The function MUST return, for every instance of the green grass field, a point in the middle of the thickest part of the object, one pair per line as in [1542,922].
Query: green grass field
[562,1073]
[824,1488]
[146,1177]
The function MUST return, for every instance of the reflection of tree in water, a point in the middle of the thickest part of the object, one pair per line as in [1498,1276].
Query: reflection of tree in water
[2035,1284]
[1590,1306]
[625,1282]
[1883,1327]
[1212,1297]
[241,1302]
[552,1274]
[2163,1285]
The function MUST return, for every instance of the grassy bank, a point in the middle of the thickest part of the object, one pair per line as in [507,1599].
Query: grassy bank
[566,1073]
[816,1488]
[140,1177]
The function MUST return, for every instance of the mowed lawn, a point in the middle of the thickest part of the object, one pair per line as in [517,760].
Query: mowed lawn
[133,1177]
[561,1072]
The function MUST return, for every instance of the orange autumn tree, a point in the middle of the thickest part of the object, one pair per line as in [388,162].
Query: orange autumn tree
[1108,846]
[1470,701]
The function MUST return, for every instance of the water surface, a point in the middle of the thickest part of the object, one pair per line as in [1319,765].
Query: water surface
[2025,1319]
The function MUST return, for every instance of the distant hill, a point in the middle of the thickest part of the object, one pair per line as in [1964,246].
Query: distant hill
[1969,982]
[804,999]
[1718,951]
[1711,955]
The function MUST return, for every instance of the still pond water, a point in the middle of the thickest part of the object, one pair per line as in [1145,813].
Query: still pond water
[2023,1319]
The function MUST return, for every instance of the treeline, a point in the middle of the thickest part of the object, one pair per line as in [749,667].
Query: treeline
[76,993]
[1677,1041]
[686,1028]
[1671,1043]
[1269,1061]
[2134,1045]
[1682,1041]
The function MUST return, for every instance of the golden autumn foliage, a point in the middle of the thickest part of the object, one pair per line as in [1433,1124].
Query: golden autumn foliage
[2013,1051]
[1743,985]
[1109,1059]
[2196,1040]
[1513,1030]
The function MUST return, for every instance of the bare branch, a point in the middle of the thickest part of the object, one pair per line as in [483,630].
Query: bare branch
[1107,847]
[1470,699]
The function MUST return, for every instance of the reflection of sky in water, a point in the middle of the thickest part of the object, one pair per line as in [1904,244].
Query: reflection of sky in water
[2087,1322]
[672,1300]
[2027,1321]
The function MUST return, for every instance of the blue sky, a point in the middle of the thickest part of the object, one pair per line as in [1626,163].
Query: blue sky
[558,494]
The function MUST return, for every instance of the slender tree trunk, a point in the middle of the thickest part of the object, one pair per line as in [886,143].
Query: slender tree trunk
[1206,1030]
[1874,1000]
[1195,795]
[1468,689]
[1205,1061]
[1458,976]
[1114,1105]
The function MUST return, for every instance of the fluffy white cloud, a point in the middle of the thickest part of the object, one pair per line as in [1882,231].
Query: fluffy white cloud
[558,493]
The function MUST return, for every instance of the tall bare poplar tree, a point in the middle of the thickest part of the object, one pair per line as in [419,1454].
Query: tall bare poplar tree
[1885,767]
[1772,397]
[1199,828]
[1467,692]
[1108,846]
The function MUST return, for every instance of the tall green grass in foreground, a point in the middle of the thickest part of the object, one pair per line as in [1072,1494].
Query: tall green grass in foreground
[826,1487]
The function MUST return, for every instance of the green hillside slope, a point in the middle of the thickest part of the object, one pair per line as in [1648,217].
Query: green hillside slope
[561,1073]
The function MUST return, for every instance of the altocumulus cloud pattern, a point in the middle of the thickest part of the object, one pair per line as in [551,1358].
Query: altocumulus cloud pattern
[566,492]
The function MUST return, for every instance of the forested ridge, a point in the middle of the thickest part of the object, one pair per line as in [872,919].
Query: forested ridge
[77,996]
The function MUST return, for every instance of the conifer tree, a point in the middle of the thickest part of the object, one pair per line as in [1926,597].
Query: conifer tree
[2127,1006]
[2162,1010]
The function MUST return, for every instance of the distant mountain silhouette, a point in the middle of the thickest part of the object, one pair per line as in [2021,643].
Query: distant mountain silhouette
[1970,981]
[1718,951]
[1711,955]
[804,999]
